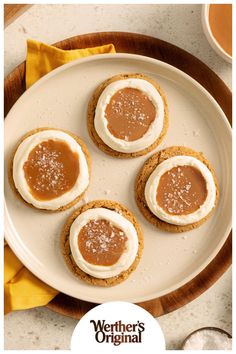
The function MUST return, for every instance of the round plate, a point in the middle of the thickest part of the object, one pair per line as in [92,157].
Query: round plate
[196,120]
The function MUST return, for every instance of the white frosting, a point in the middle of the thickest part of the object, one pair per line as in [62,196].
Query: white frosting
[153,181]
[127,257]
[101,123]
[21,156]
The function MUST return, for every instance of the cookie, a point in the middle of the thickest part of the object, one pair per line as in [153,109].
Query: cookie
[91,118]
[76,140]
[66,250]
[146,171]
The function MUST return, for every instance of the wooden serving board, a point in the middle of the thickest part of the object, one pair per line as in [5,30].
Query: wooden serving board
[14,86]
[12,11]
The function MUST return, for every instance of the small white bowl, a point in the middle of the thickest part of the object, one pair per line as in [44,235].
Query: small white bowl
[211,39]
[196,333]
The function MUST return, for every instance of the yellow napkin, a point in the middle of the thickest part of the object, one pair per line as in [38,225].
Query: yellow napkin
[42,58]
[22,290]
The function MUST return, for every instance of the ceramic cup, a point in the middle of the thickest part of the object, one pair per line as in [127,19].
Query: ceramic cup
[212,41]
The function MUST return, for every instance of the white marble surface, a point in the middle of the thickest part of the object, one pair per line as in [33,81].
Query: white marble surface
[179,24]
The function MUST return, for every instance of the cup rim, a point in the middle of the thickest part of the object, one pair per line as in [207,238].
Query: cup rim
[211,39]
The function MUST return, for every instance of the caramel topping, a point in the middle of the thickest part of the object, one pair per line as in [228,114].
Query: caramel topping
[129,114]
[181,190]
[51,169]
[220,21]
[101,243]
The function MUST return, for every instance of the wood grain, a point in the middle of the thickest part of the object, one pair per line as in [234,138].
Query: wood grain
[12,11]
[14,86]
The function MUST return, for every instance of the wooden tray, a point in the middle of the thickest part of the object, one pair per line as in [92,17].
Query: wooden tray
[14,86]
[12,11]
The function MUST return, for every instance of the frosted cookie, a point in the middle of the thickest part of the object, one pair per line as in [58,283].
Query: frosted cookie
[176,189]
[127,115]
[102,243]
[50,169]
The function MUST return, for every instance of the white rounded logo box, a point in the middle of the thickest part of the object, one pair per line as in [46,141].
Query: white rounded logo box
[117,327]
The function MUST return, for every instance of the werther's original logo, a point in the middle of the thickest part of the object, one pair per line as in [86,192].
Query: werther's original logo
[118,332]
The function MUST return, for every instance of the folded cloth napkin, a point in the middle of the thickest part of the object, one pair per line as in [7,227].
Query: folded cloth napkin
[42,58]
[22,290]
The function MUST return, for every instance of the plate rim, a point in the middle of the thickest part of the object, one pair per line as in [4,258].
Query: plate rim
[137,57]
[9,228]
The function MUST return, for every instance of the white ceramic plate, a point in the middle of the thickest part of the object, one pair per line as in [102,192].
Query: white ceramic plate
[170,260]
